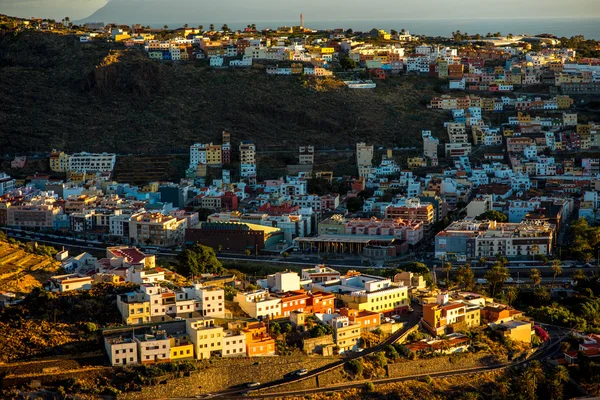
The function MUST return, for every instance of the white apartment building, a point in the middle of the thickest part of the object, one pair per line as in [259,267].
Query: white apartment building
[234,344]
[197,154]
[92,162]
[259,304]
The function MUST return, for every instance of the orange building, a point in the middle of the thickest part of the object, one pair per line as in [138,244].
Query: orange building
[365,318]
[293,301]
[320,303]
[258,340]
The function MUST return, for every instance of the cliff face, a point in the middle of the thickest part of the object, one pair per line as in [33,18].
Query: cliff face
[123,71]
[59,93]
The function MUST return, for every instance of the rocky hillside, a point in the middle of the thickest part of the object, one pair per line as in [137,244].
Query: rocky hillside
[58,92]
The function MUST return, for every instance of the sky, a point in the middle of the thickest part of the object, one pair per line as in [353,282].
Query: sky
[147,11]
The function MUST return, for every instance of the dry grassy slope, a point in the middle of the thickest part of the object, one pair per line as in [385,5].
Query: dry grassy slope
[58,92]
[20,271]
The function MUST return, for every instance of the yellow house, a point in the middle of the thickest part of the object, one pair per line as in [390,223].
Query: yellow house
[213,154]
[206,337]
[121,37]
[384,35]
[524,119]
[388,301]
[416,162]
[151,187]
[134,309]
[182,347]
[76,176]
[516,79]
[583,129]
[517,330]
[564,102]
[508,132]
[59,161]
[327,50]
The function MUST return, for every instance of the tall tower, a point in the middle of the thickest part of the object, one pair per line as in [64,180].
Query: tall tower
[302,20]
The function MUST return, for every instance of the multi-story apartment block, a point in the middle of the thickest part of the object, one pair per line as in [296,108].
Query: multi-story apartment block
[409,230]
[306,155]
[153,348]
[197,154]
[226,148]
[259,304]
[346,334]
[364,158]
[157,229]
[430,147]
[38,216]
[320,273]
[214,154]
[134,308]
[206,337]
[368,292]
[121,350]
[475,239]
[450,317]
[91,162]
[412,210]
[234,344]
[6,183]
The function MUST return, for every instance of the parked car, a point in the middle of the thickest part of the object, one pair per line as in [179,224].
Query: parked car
[253,384]
[302,371]
[482,281]
[397,317]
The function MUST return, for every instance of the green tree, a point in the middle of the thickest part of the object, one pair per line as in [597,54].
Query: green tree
[225,28]
[511,294]
[417,268]
[347,63]
[355,367]
[354,204]
[166,27]
[558,377]
[285,255]
[534,375]
[198,259]
[492,215]
[465,277]
[248,252]
[200,27]
[556,270]
[535,276]
[211,27]
[496,276]
[578,276]
[185,26]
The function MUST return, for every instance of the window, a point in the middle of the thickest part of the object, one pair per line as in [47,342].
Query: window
[130,358]
[131,350]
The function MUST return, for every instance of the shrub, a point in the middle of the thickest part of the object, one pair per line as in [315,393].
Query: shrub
[369,387]
[355,367]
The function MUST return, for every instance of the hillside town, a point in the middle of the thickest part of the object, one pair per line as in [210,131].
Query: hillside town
[484,241]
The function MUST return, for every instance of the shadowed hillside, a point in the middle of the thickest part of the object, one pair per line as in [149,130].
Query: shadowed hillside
[59,93]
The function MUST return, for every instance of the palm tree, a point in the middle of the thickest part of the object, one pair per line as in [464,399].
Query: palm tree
[534,250]
[225,28]
[558,376]
[211,27]
[496,275]
[535,276]
[578,276]
[534,375]
[446,269]
[253,27]
[556,270]
[482,261]
[511,294]
[166,27]
[200,27]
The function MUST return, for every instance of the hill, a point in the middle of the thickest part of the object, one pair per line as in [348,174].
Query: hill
[60,93]
[21,270]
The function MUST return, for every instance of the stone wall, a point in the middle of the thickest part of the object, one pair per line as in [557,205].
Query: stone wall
[439,364]
[224,373]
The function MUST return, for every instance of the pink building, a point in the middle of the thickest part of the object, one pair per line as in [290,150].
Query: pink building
[408,230]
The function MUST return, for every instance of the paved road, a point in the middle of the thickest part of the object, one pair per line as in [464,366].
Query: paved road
[547,350]
[236,391]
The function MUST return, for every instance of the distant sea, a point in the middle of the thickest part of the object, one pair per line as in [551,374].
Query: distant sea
[588,27]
